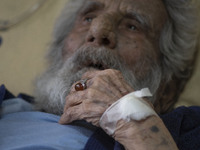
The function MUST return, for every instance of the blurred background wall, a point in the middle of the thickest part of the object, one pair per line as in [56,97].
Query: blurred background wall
[23,47]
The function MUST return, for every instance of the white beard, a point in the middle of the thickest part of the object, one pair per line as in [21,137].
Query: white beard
[54,85]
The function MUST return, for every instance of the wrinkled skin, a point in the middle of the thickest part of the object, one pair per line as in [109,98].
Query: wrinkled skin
[103,89]
[115,24]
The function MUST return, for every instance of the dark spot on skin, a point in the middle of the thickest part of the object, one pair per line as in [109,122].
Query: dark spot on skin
[164,142]
[154,129]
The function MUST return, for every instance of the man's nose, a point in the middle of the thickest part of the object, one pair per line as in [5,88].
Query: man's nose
[102,32]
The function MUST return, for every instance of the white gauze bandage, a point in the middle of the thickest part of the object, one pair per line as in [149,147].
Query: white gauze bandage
[129,107]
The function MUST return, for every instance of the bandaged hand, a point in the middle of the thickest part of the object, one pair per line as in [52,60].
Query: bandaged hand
[103,89]
[133,122]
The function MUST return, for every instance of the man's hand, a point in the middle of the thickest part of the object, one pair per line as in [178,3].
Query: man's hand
[147,134]
[103,89]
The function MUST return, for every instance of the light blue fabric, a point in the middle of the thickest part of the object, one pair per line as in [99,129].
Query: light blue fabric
[41,131]
[15,105]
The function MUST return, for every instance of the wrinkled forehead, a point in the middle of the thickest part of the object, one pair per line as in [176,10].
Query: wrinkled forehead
[154,10]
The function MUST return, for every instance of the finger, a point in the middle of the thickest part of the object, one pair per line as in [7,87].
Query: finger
[104,79]
[100,97]
[70,115]
[94,121]
[127,86]
[73,89]
[114,78]
[83,111]
[103,84]
[122,85]
[74,98]
[90,74]
[117,79]
[92,95]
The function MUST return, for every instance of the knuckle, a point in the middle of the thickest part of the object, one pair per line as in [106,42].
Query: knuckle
[113,71]
[89,74]
[90,93]
[86,74]
[97,80]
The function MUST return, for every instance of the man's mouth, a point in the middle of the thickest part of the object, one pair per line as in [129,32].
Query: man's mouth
[98,66]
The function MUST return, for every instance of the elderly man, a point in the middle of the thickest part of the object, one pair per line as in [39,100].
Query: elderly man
[117,64]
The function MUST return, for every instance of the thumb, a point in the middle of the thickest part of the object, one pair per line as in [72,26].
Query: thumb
[65,119]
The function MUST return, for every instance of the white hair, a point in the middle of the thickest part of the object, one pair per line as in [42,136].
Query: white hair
[178,42]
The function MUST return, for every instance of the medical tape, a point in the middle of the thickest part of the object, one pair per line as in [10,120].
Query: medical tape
[129,107]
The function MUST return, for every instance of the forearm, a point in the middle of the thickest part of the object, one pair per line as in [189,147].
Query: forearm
[148,134]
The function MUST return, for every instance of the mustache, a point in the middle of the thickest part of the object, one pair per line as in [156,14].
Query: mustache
[96,57]
[88,58]
[101,58]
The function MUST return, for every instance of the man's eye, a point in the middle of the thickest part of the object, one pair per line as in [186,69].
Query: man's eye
[88,19]
[132,27]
